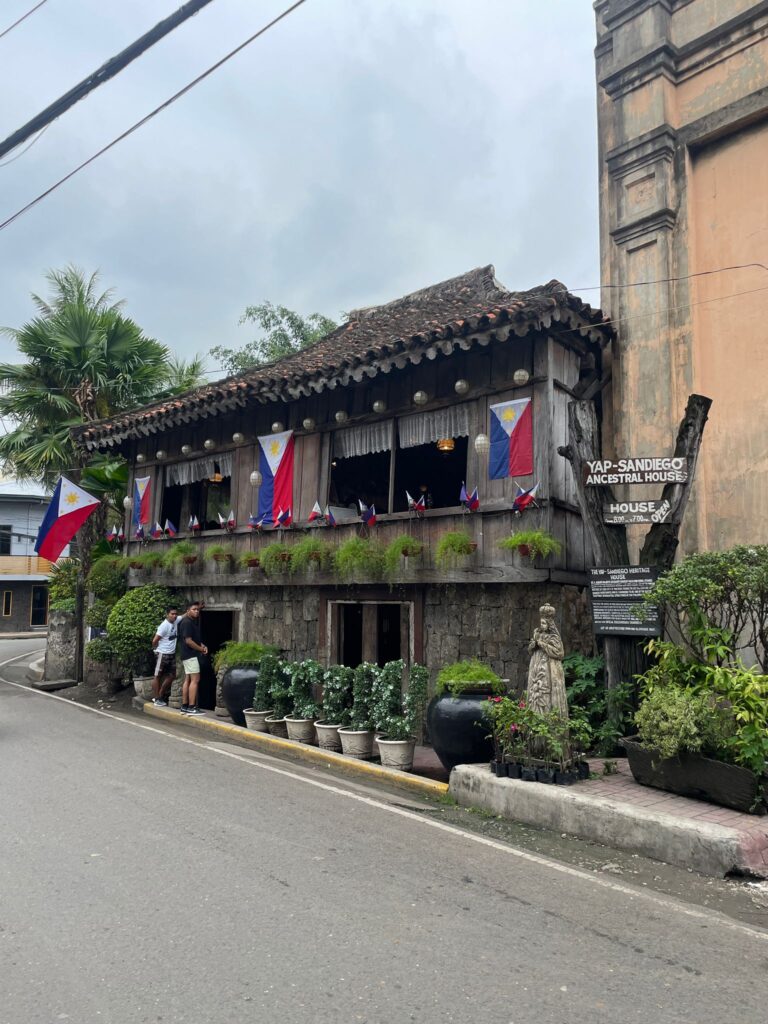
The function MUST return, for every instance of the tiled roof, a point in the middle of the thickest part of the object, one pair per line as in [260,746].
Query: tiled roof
[444,316]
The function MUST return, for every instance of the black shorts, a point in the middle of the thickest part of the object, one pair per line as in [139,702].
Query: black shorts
[165,665]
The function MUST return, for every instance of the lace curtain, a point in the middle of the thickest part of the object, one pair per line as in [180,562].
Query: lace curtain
[362,440]
[426,427]
[198,469]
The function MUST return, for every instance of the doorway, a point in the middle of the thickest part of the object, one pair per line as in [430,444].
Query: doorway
[216,629]
[376,631]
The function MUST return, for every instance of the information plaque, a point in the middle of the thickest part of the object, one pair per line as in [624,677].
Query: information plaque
[618,608]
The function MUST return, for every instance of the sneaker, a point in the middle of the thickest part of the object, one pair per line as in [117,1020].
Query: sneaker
[184,709]
[195,711]
[159,703]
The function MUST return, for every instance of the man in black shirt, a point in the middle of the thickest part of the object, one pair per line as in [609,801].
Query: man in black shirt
[191,646]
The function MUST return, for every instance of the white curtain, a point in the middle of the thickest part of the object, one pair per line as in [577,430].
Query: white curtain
[426,427]
[198,469]
[362,440]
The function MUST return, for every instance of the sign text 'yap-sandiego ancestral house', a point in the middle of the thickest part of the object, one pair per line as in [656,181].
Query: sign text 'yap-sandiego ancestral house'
[666,470]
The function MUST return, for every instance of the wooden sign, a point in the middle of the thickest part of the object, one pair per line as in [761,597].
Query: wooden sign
[617,600]
[605,472]
[627,512]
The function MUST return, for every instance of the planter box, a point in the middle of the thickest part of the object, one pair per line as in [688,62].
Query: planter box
[697,777]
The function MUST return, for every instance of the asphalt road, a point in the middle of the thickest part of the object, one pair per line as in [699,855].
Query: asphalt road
[148,877]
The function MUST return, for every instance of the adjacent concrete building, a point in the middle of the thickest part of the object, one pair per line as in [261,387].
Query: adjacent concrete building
[23,575]
[683,148]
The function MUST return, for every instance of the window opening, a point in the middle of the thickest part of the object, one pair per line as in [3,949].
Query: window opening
[5,540]
[350,639]
[388,639]
[39,615]
[360,478]
[425,469]
[7,602]
[203,498]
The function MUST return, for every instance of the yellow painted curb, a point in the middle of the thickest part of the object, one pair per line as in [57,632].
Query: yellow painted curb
[303,752]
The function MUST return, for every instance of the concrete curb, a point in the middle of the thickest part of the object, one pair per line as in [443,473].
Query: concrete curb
[711,849]
[350,766]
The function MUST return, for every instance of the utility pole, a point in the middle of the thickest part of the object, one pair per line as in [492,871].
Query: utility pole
[101,75]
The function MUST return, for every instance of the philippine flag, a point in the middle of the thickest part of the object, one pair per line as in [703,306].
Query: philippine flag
[112,535]
[276,466]
[368,514]
[69,508]
[316,513]
[330,518]
[283,518]
[231,521]
[511,439]
[255,524]
[156,532]
[120,535]
[194,523]
[524,498]
[141,492]
[473,501]
[169,528]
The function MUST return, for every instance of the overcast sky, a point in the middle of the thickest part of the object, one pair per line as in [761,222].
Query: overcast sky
[356,152]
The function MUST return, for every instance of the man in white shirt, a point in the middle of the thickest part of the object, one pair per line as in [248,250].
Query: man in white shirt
[164,645]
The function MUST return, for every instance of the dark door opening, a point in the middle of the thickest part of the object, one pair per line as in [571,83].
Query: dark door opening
[388,646]
[435,474]
[216,628]
[350,640]
[39,611]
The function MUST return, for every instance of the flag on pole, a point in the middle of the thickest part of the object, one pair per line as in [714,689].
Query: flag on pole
[112,535]
[276,467]
[120,534]
[139,534]
[417,505]
[330,518]
[470,501]
[169,528]
[316,513]
[156,532]
[231,521]
[222,520]
[69,508]
[511,439]
[367,514]
[524,498]
[256,524]
[194,523]
[141,496]
[284,518]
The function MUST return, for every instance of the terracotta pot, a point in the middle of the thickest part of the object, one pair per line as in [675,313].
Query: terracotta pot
[524,550]
[277,727]
[357,743]
[396,753]
[302,730]
[255,720]
[328,736]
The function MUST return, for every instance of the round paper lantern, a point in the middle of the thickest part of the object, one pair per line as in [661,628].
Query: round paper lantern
[482,444]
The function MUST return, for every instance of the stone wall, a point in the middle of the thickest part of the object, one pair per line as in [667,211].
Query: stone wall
[60,652]
[287,617]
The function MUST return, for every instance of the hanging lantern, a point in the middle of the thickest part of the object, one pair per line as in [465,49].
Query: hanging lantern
[461,387]
[341,416]
[421,398]
[277,427]
[255,478]
[216,478]
[482,444]
[308,423]
[521,377]
[160,454]
[446,444]
[209,444]
[141,458]
[237,437]
[186,449]
[127,503]
[379,405]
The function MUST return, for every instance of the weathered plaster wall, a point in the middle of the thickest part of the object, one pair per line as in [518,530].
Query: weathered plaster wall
[682,115]
[61,647]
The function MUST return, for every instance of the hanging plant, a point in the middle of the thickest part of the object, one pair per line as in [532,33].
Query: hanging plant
[532,543]
[276,559]
[401,547]
[310,553]
[452,546]
[358,557]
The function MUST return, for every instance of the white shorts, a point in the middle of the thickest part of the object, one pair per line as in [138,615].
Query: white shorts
[191,666]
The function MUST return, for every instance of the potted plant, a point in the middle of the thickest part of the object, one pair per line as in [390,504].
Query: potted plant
[532,543]
[310,555]
[181,556]
[277,679]
[250,560]
[452,546]
[222,555]
[398,553]
[400,717]
[455,713]
[240,662]
[130,627]
[306,678]
[337,699]
[356,733]
[358,559]
[276,559]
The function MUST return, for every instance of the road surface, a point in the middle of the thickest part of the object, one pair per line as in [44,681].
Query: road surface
[146,876]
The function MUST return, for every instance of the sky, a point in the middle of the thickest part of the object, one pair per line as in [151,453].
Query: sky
[358,151]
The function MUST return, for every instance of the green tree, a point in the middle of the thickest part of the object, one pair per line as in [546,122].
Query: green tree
[283,333]
[84,360]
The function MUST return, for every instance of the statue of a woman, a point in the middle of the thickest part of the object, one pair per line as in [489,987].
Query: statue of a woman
[546,679]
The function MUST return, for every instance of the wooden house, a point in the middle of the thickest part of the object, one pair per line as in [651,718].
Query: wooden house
[394,402]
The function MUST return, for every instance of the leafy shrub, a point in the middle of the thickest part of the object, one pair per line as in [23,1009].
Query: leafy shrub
[62,585]
[467,677]
[401,547]
[276,559]
[453,545]
[107,577]
[235,653]
[360,715]
[675,719]
[400,716]
[305,677]
[310,553]
[337,693]
[276,679]
[132,624]
[608,715]
[540,543]
[99,650]
[526,735]
[358,557]
[98,614]
[387,694]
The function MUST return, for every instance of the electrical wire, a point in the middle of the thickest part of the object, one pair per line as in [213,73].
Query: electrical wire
[153,113]
[670,280]
[28,146]
[22,18]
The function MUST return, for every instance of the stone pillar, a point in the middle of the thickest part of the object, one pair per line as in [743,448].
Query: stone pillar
[61,652]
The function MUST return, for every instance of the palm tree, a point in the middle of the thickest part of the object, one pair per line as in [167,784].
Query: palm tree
[85,360]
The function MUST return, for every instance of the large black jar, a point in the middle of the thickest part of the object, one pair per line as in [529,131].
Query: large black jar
[458,728]
[237,687]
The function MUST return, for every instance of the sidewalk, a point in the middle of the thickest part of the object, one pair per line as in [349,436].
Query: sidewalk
[617,811]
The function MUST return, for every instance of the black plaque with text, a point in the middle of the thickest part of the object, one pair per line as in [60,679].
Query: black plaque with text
[617,600]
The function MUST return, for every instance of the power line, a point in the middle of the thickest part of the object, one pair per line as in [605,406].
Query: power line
[671,280]
[153,113]
[101,75]
[22,18]
[29,146]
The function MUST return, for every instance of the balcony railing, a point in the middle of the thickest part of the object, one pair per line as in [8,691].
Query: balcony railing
[24,565]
